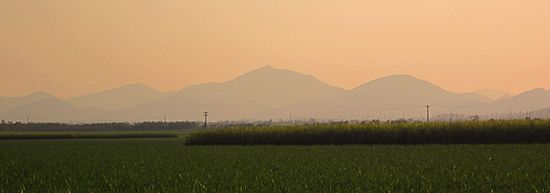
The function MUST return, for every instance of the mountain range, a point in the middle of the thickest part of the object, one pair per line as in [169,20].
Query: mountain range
[268,93]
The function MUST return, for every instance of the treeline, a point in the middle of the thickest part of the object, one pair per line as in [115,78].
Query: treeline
[84,135]
[118,126]
[464,132]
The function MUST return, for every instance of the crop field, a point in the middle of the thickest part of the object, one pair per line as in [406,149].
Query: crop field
[88,135]
[461,132]
[168,165]
[94,134]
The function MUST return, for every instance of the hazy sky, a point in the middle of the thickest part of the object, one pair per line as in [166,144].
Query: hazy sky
[73,47]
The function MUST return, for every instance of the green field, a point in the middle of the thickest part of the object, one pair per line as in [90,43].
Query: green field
[14,135]
[167,165]
[85,135]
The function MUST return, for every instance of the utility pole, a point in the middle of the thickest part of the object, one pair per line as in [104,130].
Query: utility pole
[290,117]
[428,113]
[205,114]
[164,117]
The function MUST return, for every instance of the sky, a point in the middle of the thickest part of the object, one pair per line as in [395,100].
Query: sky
[71,48]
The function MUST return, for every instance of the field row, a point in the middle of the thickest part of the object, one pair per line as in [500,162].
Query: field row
[467,132]
[86,135]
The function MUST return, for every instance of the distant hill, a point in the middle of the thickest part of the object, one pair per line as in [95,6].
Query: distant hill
[393,96]
[265,87]
[118,98]
[8,103]
[268,93]
[50,110]
[403,90]
[529,100]
[257,91]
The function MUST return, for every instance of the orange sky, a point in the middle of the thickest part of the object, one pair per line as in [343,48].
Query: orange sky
[70,48]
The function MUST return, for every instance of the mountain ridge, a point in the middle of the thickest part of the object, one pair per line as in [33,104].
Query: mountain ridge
[267,93]
[8,103]
[117,98]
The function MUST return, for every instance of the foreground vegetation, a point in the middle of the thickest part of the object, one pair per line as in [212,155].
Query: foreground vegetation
[18,130]
[114,126]
[88,135]
[465,132]
[167,165]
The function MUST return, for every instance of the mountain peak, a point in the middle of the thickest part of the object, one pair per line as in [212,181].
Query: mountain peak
[399,77]
[264,69]
[267,67]
[118,98]
[532,99]
[264,87]
[40,94]
[534,92]
[396,81]
[402,85]
[270,74]
[135,86]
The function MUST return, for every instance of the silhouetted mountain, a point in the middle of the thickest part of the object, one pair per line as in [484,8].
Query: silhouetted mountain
[8,103]
[405,89]
[50,110]
[118,98]
[388,97]
[529,100]
[265,87]
[243,97]
[268,93]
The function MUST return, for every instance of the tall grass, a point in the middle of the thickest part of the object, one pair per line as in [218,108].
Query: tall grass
[466,132]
